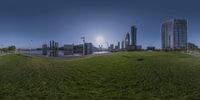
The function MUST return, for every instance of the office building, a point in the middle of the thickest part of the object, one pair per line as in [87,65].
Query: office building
[78,48]
[88,48]
[151,48]
[127,41]
[111,47]
[118,45]
[44,49]
[68,49]
[53,48]
[174,34]
[133,35]
[122,45]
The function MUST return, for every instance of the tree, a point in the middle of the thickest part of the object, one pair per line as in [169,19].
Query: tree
[12,48]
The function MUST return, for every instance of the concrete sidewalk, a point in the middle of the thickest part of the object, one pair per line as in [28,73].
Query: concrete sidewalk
[194,53]
[6,54]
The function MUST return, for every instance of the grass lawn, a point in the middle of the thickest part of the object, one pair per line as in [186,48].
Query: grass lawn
[125,75]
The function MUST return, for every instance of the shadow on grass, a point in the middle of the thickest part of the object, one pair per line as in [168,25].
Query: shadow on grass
[129,57]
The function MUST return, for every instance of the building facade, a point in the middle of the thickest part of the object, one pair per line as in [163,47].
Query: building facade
[127,41]
[44,49]
[174,34]
[88,48]
[111,47]
[78,49]
[68,49]
[133,35]
[118,45]
[151,48]
[53,48]
[122,45]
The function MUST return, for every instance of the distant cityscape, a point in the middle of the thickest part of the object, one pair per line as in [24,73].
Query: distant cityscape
[173,37]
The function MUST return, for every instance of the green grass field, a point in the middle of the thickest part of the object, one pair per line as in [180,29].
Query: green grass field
[122,76]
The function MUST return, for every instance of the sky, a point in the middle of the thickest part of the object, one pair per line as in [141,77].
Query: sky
[31,23]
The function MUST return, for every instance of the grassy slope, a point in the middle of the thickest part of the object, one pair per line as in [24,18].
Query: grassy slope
[117,76]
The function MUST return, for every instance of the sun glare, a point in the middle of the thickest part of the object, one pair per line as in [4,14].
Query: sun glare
[99,40]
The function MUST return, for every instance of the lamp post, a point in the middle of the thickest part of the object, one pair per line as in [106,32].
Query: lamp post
[30,47]
[83,38]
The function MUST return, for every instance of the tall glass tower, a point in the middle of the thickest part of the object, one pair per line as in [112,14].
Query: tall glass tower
[127,40]
[133,35]
[174,34]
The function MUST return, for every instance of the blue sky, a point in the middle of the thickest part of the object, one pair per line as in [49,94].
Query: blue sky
[66,21]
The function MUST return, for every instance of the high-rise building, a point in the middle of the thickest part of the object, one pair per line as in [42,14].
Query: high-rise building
[53,48]
[122,45]
[44,49]
[118,45]
[127,41]
[111,46]
[174,34]
[133,35]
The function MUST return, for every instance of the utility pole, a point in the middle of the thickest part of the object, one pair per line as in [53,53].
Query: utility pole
[83,38]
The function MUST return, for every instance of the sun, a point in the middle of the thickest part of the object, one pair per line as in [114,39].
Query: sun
[99,40]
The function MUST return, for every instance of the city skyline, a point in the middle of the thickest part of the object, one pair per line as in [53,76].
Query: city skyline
[67,21]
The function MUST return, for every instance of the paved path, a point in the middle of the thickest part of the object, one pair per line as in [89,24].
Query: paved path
[194,53]
[5,54]
[69,57]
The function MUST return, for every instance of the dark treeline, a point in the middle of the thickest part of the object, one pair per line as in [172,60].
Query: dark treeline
[11,48]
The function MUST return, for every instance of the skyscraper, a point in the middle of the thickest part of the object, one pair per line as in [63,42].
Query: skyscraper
[122,45]
[111,46]
[174,34]
[133,35]
[127,40]
[118,45]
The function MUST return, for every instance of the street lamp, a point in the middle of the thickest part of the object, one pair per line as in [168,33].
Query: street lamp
[83,38]
[30,47]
